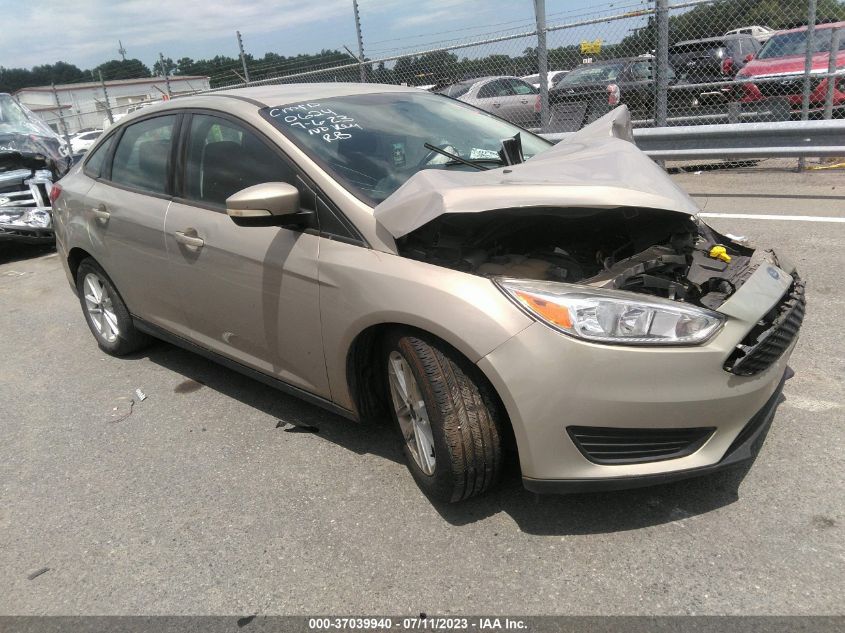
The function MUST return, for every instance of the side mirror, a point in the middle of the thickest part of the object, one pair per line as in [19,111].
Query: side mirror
[749,57]
[266,199]
[267,204]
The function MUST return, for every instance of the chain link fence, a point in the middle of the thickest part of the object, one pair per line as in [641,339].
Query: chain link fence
[671,62]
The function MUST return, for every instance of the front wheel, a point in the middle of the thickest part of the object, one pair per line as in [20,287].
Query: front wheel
[447,417]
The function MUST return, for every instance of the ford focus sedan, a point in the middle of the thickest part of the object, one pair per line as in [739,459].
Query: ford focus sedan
[384,252]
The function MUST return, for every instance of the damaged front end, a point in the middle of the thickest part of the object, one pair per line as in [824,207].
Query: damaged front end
[564,232]
[649,251]
[31,160]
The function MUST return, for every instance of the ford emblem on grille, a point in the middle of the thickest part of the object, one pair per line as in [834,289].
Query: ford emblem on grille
[773,272]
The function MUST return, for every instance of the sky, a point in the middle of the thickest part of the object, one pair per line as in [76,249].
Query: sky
[86,32]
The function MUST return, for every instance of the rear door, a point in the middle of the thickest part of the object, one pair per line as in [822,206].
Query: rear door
[249,293]
[519,105]
[491,97]
[637,88]
[127,205]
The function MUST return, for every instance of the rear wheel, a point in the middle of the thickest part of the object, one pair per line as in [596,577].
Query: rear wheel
[448,420]
[106,314]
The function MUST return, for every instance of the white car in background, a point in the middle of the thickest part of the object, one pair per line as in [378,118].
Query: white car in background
[759,33]
[83,141]
[553,77]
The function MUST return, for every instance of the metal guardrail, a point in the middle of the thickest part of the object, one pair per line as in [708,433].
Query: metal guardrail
[788,139]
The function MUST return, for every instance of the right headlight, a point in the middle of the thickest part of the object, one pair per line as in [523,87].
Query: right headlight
[612,316]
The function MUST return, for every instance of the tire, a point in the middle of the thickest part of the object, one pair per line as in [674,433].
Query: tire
[464,423]
[114,329]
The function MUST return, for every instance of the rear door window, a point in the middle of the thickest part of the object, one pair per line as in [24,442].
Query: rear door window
[142,158]
[96,159]
[519,87]
[641,71]
[498,88]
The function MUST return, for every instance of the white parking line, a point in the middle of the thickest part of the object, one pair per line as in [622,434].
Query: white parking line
[763,216]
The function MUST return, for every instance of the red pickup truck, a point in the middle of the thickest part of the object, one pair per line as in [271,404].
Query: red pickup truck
[782,60]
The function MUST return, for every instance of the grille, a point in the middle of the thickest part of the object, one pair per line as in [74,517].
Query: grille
[785,87]
[611,445]
[772,336]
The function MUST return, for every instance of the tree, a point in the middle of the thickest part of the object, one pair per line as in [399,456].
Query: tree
[168,69]
[122,69]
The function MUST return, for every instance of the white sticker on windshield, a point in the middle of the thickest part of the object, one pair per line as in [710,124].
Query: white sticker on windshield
[476,153]
[316,120]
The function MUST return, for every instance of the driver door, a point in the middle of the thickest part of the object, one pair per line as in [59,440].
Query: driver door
[249,293]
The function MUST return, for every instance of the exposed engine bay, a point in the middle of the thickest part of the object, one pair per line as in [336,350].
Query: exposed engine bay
[661,253]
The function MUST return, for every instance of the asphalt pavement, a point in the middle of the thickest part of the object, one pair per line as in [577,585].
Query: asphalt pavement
[212,496]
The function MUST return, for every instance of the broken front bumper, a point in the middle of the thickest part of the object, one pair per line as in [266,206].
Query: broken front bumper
[25,211]
[590,416]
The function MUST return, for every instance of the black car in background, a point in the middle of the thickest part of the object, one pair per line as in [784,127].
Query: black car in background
[712,59]
[592,90]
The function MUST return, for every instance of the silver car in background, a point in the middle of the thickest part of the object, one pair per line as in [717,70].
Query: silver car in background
[511,98]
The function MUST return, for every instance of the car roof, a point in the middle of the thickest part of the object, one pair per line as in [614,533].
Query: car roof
[265,96]
[826,25]
[280,94]
[720,38]
[615,60]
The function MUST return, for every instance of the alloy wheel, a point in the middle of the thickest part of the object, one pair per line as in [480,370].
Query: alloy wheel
[98,303]
[411,412]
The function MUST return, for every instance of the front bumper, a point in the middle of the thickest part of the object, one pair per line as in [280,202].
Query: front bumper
[746,446]
[26,235]
[550,382]
[25,211]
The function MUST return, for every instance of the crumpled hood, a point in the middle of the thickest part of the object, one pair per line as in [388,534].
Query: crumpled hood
[26,141]
[597,167]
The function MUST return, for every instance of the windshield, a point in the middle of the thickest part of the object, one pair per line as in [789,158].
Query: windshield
[17,119]
[373,143]
[593,73]
[713,49]
[795,43]
[457,90]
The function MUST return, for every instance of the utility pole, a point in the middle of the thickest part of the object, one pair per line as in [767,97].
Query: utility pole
[243,57]
[166,76]
[360,41]
[121,51]
[62,126]
[835,38]
[661,102]
[106,98]
[542,62]
[808,68]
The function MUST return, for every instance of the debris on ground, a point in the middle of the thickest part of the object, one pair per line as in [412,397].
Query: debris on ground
[296,428]
[141,395]
[125,415]
[37,573]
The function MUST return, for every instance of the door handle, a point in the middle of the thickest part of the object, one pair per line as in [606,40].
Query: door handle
[100,213]
[524,101]
[188,240]
[497,105]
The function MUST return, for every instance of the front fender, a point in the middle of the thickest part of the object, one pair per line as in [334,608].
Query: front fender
[360,288]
